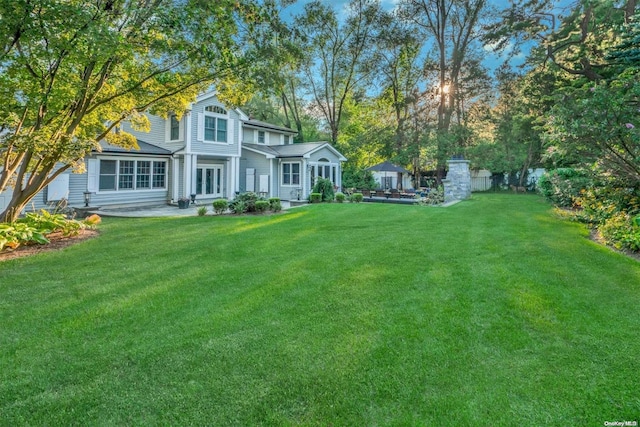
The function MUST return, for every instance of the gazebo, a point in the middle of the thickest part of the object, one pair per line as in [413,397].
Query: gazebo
[389,176]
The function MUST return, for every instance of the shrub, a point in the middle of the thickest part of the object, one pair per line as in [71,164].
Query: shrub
[46,222]
[325,188]
[358,179]
[435,196]
[18,233]
[262,205]
[562,186]
[92,220]
[356,197]
[340,197]
[621,231]
[238,207]
[274,204]
[249,199]
[315,197]
[220,206]
[202,211]
[603,200]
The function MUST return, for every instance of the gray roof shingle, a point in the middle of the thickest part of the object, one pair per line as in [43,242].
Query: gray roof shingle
[145,148]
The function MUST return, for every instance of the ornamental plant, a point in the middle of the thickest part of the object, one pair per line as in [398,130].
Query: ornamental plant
[325,188]
[274,204]
[220,206]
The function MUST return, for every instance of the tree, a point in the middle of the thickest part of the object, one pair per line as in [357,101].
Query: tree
[453,25]
[338,55]
[73,70]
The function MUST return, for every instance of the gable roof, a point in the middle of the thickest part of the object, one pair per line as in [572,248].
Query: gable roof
[144,148]
[387,167]
[303,149]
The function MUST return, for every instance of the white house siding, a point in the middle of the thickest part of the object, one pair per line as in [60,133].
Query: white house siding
[40,200]
[157,135]
[261,165]
[249,136]
[233,131]
[289,192]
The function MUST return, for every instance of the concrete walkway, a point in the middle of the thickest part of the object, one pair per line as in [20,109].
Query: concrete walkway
[160,211]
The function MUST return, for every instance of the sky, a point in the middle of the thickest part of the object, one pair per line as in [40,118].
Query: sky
[492,59]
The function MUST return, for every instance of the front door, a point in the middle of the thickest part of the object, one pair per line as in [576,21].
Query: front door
[209,181]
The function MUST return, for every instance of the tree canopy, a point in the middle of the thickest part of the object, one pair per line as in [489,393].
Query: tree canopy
[73,70]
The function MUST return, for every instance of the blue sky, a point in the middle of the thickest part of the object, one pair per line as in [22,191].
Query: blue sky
[491,61]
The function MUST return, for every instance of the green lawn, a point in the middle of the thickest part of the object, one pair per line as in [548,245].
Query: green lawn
[490,312]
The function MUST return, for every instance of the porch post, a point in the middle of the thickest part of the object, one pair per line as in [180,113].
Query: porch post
[175,181]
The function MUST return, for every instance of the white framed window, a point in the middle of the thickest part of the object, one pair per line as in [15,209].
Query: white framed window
[324,169]
[128,174]
[261,137]
[213,125]
[291,173]
[173,128]
[286,139]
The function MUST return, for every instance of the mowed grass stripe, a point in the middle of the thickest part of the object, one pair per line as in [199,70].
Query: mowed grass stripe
[489,312]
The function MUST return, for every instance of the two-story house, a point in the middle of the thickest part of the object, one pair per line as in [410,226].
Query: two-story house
[211,151]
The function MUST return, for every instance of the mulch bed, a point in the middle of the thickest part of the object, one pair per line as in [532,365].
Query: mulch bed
[58,241]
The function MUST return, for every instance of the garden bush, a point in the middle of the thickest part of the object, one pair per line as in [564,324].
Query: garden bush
[340,197]
[325,188]
[274,204]
[563,186]
[435,196]
[356,197]
[262,206]
[315,197]
[202,211]
[220,206]
[622,231]
[604,200]
[238,207]
[249,200]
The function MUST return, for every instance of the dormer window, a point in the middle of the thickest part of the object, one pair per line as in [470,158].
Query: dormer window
[260,137]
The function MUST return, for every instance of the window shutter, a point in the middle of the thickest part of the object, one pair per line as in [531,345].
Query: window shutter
[200,132]
[92,175]
[167,129]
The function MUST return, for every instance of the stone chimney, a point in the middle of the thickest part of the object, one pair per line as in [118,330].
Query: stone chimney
[457,185]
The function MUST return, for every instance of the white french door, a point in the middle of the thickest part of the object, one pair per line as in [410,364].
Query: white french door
[209,181]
